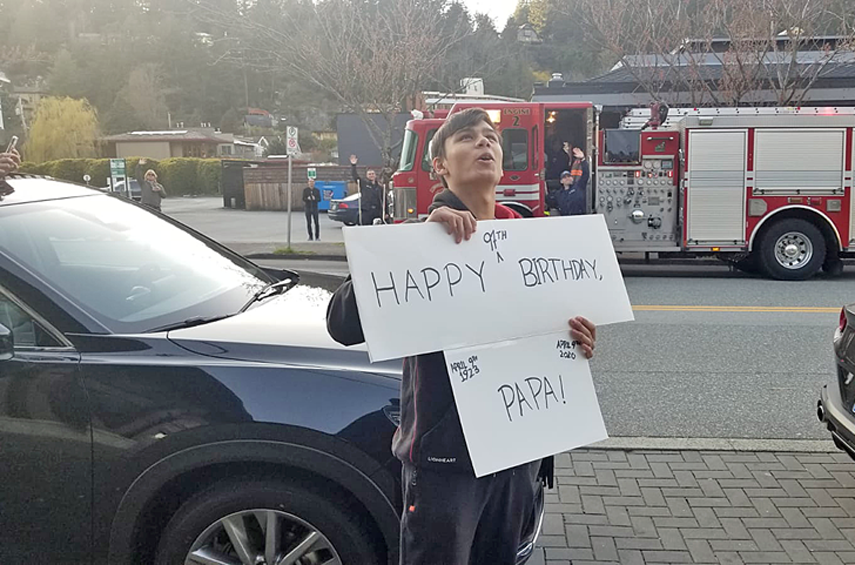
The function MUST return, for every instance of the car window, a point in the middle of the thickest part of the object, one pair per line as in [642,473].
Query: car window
[26,331]
[515,147]
[408,151]
[427,164]
[128,268]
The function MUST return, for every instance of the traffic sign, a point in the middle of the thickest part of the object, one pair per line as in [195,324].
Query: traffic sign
[292,141]
[312,172]
[117,167]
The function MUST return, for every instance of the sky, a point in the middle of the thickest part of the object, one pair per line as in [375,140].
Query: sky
[499,10]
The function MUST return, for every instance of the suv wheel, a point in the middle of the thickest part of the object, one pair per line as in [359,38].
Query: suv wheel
[264,522]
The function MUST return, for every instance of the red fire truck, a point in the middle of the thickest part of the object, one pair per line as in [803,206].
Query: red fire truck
[768,189]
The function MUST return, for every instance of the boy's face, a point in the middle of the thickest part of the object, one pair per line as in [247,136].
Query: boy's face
[473,157]
[371,175]
[566,180]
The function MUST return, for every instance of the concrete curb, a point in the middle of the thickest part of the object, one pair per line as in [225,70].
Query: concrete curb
[715,444]
[311,257]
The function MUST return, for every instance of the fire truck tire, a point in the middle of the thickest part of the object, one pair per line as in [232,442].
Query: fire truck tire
[792,250]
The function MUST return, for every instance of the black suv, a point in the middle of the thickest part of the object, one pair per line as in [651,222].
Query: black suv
[163,400]
[836,407]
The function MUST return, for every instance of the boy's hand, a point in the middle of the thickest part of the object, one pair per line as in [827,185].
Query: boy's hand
[577,153]
[457,222]
[585,332]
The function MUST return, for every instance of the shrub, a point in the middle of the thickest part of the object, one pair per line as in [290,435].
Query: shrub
[180,176]
[209,172]
[69,169]
[99,170]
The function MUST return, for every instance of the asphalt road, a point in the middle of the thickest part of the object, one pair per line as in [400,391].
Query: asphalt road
[711,354]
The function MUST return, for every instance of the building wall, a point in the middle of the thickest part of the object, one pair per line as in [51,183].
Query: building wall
[151,149]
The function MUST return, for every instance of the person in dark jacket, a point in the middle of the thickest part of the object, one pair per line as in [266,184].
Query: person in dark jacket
[152,192]
[371,193]
[570,199]
[311,198]
[450,517]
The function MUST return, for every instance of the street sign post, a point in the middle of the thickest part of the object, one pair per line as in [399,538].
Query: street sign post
[118,173]
[293,149]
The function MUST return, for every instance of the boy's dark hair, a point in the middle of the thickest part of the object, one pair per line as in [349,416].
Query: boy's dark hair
[461,120]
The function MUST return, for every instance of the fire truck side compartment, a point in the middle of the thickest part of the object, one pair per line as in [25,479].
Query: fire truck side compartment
[716,187]
[798,161]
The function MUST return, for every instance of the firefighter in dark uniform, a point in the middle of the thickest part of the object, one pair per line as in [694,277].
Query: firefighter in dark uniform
[371,193]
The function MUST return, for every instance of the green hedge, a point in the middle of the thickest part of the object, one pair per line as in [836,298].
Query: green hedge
[180,176]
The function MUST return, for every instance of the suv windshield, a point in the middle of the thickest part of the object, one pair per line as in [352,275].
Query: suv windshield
[129,269]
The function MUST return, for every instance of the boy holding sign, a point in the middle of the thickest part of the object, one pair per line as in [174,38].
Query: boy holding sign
[451,517]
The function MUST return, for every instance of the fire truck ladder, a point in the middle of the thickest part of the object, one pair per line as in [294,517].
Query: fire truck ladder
[637,117]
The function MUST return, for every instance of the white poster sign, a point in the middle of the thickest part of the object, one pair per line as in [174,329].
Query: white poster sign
[524,400]
[418,291]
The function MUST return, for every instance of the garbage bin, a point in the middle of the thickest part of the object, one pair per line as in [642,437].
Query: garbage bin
[330,190]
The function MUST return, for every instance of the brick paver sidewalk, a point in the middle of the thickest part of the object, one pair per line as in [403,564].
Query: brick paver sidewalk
[650,507]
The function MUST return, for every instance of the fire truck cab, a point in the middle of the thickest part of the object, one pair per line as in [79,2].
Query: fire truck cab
[767,189]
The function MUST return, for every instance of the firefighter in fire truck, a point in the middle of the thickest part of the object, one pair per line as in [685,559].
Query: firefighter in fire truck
[450,517]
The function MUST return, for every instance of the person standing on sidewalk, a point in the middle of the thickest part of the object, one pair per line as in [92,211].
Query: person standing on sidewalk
[311,198]
[371,193]
[152,192]
[450,517]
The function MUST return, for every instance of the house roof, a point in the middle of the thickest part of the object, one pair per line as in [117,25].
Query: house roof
[167,135]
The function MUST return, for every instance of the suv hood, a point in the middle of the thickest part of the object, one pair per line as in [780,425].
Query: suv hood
[288,329]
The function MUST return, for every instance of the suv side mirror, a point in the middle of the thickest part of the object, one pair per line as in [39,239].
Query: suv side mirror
[7,344]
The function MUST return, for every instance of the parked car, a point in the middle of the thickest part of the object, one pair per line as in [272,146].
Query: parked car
[345,210]
[164,400]
[836,407]
[134,185]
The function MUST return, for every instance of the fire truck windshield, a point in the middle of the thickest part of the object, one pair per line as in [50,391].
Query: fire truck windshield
[408,151]
[622,146]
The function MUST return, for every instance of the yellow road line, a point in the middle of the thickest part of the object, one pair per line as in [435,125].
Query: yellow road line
[785,309]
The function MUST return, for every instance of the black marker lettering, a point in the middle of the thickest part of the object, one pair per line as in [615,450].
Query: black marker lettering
[554,268]
[508,401]
[428,285]
[567,269]
[543,266]
[410,279]
[480,274]
[547,391]
[531,388]
[527,268]
[582,270]
[561,382]
[594,269]
[378,290]
[521,398]
[451,283]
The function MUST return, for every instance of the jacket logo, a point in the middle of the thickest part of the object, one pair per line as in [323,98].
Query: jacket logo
[442,459]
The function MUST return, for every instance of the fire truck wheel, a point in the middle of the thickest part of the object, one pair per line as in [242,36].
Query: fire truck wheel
[792,250]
